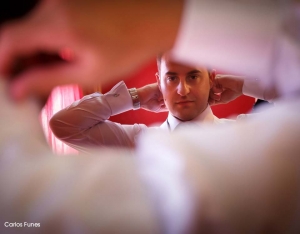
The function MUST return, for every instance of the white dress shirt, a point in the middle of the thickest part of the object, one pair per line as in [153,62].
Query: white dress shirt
[84,124]
[206,117]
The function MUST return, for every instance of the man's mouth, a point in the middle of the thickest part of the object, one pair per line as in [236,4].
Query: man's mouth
[184,102]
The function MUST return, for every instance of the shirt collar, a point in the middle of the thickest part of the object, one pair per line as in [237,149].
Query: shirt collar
[206,116]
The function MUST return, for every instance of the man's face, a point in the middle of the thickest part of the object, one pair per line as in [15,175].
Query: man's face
[185,89]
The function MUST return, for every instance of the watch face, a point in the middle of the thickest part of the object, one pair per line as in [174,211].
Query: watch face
[135,98]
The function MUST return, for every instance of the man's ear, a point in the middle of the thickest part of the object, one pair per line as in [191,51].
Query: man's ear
[158,80]
[212,76]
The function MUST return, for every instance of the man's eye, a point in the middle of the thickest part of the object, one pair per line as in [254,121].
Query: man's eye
[171,78]
[193,77]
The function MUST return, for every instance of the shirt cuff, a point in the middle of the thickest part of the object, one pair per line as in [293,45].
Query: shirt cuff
[119,99]
[253,88]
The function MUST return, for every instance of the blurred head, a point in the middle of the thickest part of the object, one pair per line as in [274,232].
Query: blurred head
[185,89]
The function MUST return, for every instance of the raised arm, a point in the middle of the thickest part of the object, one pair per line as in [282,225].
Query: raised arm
[85,123]
[226,88]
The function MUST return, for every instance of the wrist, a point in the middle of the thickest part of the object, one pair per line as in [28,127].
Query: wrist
[135,98]
[141,96]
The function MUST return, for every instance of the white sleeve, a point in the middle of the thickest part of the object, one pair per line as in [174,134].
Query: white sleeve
[254,88]
[84,124]
[234,36]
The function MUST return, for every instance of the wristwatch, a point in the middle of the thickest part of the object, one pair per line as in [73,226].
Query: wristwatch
[135,98]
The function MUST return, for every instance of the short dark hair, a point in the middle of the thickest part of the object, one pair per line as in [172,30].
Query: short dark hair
[158,62]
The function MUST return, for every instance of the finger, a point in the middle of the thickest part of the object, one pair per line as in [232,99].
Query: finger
[212,102]
[216,89]
[163,108]
[227,96]
[215,97]
[161,102]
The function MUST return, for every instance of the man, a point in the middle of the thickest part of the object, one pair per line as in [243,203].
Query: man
[182,90]
[239,179]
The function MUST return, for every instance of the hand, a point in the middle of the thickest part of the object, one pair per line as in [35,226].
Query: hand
[226,88]
[91,38]
[151,98]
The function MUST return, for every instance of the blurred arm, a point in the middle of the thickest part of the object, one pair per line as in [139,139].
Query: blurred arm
[248,183]
[65,194]
[256,39]
[235,36]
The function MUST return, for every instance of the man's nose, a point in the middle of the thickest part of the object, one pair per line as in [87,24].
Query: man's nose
[183,88]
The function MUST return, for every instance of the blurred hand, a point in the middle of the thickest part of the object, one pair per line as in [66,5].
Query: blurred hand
[93,41]
[151,98]
[225,89]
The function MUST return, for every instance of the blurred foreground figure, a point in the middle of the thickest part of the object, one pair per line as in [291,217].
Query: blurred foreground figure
[235,179]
